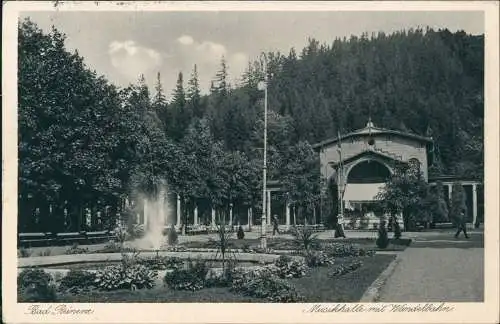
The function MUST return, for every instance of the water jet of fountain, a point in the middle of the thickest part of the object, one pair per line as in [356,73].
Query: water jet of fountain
[158,215]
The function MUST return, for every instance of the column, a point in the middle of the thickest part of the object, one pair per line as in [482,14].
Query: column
[88,217]
[195,216]
[474,204]
[213,217]
[449,192]
[268,201]
[249,213]
[287,215]
[178,211]
[161,208]
[294,216]
[231,215]
[145,213]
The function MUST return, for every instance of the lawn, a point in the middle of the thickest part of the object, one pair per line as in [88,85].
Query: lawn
[317,286]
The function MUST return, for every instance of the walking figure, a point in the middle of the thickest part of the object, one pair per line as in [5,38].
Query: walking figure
[461,225]
[275,225]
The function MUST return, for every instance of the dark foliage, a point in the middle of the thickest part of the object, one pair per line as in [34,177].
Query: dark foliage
[35,285]
[77,280]
[241,233]
[192,278]
[382,239]
[344,269]
[265,285]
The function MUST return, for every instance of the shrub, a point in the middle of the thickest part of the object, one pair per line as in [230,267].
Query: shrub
[305,237]
[317,259]
[288,268]
[161,263]
[183,279]
[193,278]
[341,250]
[23,253]
[397,229]
[382,240]
[198,267]
[343,269]
[136,231]
[264,285]
[77,280]
[172,237]
[121,234]
[119,277]
[224,278]
[241,233]
[74,249]
[35,285]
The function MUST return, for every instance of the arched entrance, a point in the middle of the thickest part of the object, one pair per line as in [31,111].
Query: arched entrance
[364,181]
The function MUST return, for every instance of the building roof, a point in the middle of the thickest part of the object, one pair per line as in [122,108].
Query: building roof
[453,178]
[370,129]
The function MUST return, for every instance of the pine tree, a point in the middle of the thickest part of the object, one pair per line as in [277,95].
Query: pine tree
[160,102]
[194,94]
[221,84]
[180,118]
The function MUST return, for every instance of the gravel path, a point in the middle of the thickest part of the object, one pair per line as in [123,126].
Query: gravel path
[438,271]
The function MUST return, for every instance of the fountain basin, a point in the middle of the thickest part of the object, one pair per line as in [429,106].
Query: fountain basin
[58,266]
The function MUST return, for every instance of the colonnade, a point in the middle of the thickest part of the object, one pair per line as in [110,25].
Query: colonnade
[449,186]
[290,211]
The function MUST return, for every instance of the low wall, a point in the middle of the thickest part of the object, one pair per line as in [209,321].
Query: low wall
[47,261]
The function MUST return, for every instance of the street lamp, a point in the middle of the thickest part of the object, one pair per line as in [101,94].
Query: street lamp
[263,86]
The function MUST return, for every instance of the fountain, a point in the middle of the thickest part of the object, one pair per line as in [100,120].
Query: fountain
[157,214]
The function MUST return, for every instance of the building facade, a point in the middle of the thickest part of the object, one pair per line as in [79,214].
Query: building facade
[360,162]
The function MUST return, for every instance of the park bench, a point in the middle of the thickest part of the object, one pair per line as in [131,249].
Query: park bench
[34,239]
[99,236]
[196,230]
[70,238]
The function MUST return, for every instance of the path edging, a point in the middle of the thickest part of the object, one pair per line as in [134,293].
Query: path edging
[373,292]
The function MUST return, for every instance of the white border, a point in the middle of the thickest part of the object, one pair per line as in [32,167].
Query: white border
[249,313]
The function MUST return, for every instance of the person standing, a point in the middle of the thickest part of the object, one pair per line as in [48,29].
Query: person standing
[461,224]
[275,225]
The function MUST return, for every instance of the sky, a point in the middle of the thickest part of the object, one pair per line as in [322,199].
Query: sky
[123,45]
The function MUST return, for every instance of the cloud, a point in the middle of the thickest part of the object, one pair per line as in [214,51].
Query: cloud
[207,55]
[211,50]
[185,40]
[132,60]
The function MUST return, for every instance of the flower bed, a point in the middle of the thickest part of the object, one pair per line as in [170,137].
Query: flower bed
[274,282]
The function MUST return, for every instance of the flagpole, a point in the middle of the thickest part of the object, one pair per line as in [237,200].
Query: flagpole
[263,238]
[341,186]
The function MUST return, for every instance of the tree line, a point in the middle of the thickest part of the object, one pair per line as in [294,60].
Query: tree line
[85,143]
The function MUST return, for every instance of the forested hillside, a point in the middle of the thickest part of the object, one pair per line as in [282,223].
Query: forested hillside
[85,143]
[425,82]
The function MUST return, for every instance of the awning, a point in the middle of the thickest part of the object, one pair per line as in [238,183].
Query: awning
[362,191]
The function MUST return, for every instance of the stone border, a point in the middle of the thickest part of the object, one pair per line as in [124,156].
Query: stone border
[47,261]
[372,294]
